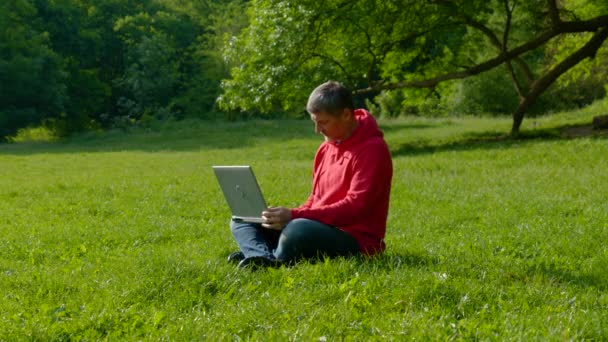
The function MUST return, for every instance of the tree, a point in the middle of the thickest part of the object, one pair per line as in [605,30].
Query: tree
[377,45]
[151,77]
[74,65]
[203,62]
[289,46]
[77,44]
[32,87]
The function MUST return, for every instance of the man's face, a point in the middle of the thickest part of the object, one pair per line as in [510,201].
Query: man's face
[333,127]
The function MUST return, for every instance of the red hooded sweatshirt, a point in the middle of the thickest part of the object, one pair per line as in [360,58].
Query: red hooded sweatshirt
[351,185]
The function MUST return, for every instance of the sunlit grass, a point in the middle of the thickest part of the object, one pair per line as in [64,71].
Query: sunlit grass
[123,236]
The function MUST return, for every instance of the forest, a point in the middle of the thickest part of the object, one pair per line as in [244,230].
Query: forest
[77,65]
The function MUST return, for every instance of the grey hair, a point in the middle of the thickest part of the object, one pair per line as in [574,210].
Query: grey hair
[330,97]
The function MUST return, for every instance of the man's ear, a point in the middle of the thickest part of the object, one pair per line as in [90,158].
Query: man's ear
[348,113]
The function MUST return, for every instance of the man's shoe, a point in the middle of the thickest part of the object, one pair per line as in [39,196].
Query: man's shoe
[236,257]
[257,262]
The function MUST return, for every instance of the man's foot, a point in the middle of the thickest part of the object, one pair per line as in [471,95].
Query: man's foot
[236,257]
[257,262]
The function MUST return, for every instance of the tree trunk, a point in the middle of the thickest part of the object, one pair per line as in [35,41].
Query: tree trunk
[540,85]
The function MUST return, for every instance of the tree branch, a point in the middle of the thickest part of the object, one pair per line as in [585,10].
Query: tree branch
[496,42]
[515,80]
[370,50]
[474,70]
[505,47]
[525,68]
[588,50]
[565,27]
[590,25]
[554,13]
[505,34]
[332,60]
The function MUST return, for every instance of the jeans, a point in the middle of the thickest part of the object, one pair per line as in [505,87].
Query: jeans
[301,238]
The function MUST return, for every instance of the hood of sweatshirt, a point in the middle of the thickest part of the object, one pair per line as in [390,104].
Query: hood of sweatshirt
[366,128]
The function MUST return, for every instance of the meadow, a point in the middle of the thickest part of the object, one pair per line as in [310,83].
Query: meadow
[123,235]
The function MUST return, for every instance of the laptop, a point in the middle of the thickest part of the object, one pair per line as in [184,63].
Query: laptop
[242,192]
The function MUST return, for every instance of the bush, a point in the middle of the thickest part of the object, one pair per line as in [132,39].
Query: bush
[402,102]
[32,90]
[491,92]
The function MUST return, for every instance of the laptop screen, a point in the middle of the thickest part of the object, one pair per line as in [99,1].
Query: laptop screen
[241,190]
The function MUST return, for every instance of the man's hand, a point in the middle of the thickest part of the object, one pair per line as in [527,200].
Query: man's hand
[276,217]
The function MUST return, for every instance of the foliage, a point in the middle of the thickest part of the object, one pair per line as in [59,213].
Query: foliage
[32,87]
[290,47]
[373,46]
[152,74]
[279,58]
[491,93]
[221,19]
[586,82]
[114,236]
[76,65]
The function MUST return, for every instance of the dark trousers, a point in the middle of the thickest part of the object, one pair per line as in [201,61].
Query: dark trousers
[301,238]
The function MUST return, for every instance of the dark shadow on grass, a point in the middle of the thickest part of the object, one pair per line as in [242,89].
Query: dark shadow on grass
[386,261]
[392,260]
[176,136]
[388,126]
[187,136]
[496,140]
[571,278]
[201,135]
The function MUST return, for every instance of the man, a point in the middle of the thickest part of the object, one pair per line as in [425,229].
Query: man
[347,209]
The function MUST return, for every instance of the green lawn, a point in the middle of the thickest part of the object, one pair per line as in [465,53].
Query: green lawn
[124,236]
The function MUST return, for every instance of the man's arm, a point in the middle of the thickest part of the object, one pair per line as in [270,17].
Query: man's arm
[277,217]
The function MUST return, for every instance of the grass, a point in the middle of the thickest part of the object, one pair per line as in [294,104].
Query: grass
[123,236]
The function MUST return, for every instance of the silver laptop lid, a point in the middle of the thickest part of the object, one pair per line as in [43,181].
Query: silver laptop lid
[241,191]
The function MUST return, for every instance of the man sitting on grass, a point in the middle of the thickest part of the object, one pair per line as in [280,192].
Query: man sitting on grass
[346,211]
